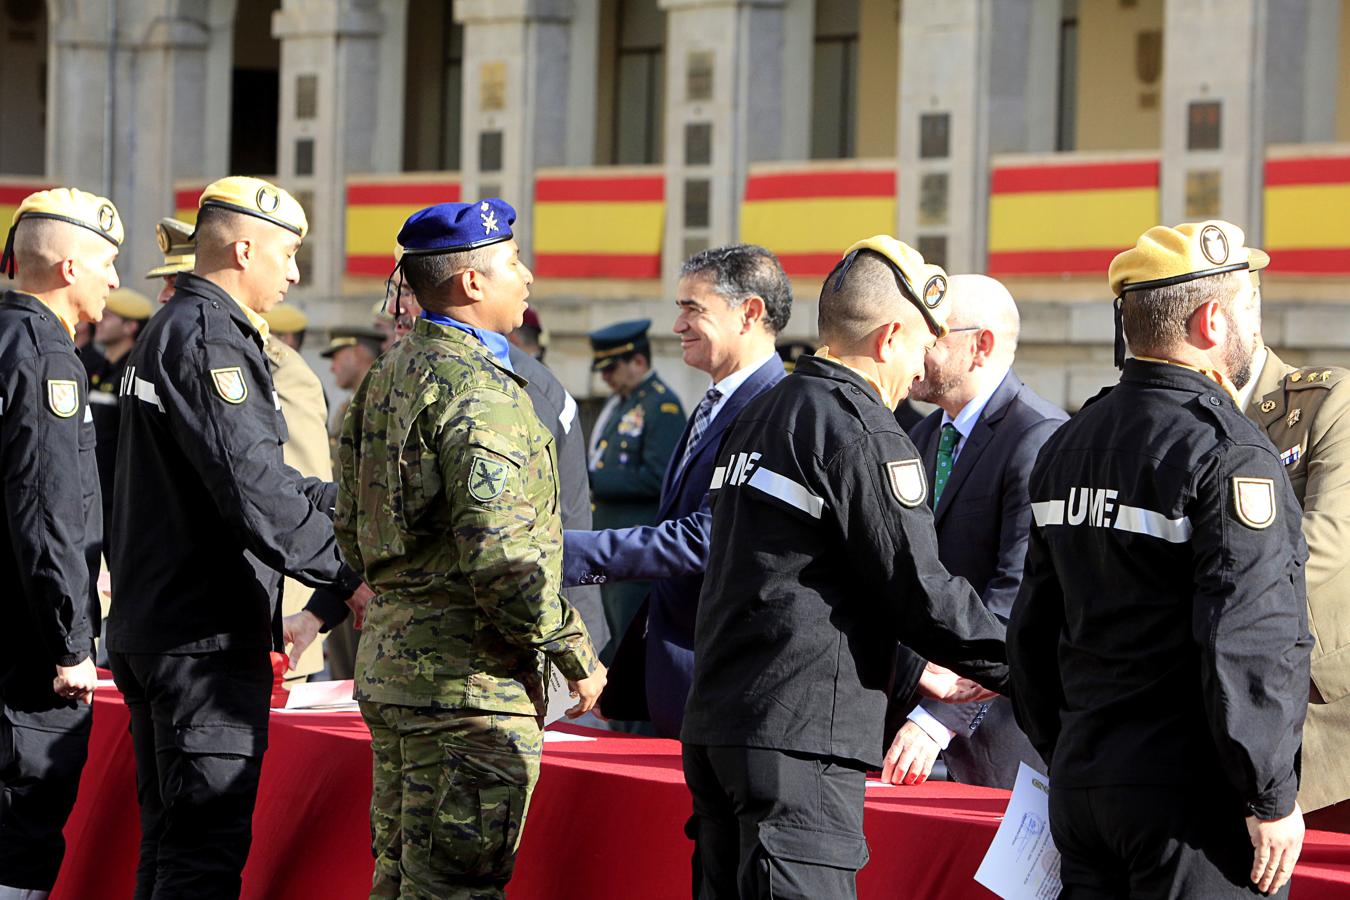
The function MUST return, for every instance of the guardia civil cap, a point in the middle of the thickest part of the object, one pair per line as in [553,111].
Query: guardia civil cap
[285,318]
[1165,256]
[456,227]
[179,249]
[69,205]
[257,198]
[130,304]
[920,283]
[354,336]
[791,351]
[614,342]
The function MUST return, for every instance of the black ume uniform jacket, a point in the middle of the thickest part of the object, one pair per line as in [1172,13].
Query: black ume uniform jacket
[50,523]
[1159,638]
[206,515]
[823,558]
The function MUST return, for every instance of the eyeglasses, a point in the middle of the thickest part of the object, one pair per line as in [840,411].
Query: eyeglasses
[965,328]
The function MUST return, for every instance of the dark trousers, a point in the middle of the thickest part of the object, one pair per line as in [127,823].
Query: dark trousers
[199,729]
[1147,841]
[774,824]
[42,752]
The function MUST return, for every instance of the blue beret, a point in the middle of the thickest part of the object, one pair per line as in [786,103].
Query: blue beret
[455,227]
[613,342]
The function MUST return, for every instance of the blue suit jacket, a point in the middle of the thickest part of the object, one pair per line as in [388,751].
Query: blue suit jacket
[673,553]
[983,521]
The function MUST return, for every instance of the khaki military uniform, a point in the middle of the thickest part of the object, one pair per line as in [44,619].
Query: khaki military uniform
[448,504]
[306,450]
[1306,414]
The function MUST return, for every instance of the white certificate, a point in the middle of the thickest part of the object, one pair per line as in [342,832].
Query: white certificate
[1022,862]
[559,699]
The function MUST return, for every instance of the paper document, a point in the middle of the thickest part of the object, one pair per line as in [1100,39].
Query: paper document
[563,737]
[321,695]
[559,700]
[1022,862]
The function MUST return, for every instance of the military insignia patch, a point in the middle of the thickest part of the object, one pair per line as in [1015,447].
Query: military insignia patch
[631,423]
[63,397]
[1267,405]
[1294,417]
[908,483]
[268,199]
[1214,244]
[934,291]
[1292,455]
[1254,501]
[230,384]
[106,217]
[487,479]
[163,239]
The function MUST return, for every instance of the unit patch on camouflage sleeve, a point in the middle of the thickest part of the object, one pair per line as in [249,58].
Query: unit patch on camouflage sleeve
[487,479]
[230,384]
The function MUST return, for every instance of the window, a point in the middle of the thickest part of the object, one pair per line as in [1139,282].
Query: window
[639,83]
[834,93]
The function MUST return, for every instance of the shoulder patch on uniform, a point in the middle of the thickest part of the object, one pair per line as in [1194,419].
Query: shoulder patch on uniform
[1307,378]
[908,483]
[230,384]
[487,478]
[670,408]
[1254,501]
[63,397]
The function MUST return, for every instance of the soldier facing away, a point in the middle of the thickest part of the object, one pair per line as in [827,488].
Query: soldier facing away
[458,531]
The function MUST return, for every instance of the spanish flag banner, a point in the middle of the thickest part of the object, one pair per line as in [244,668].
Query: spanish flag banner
[599,223]
[809,213]
[377,207]
[1307,230]
[1068,216]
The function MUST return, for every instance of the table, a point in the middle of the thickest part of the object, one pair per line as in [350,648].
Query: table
[606,822]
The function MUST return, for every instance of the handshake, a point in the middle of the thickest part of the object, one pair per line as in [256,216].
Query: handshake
[912,754]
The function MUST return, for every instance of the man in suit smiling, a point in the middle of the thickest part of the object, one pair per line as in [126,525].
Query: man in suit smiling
[732,301]
[978,448]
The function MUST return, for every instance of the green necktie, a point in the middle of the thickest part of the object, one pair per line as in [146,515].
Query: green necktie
[946,444]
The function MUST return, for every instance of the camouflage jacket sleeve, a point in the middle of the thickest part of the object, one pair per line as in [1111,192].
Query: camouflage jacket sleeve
[498,468]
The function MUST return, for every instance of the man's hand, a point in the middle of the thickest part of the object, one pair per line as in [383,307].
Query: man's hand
[945,685]
[76,682]
[357,603]
[911,757]
[1277,844]
[587,690]
[299,631]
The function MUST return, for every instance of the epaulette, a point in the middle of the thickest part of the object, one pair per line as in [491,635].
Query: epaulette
[1300,379]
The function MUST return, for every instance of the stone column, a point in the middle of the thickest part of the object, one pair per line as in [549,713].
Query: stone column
[724,110]
[515,109]
[943,142]
[1213,134]
[341,112]
[1302,54]
[136,112]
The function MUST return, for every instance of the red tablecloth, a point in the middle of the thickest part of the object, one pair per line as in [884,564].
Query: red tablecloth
[606,822]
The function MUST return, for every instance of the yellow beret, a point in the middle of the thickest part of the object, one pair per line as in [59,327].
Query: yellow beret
[65,205]
[1165,256]
[922,284]
[255,197]
[179,249]
[130,304]
[284,318]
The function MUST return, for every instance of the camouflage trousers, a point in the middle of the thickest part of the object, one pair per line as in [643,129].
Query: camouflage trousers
[451,788]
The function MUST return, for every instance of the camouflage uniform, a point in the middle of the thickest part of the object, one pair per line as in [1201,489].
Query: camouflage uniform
[448,502]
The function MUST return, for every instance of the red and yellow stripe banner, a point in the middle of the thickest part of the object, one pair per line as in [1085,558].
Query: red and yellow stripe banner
[811,213]
[377,207]
[12,193]
[1067,216]
[1307,230]
[185,198]
[599,223]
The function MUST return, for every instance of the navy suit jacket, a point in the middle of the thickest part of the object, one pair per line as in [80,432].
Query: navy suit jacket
[983,522]
[672,553]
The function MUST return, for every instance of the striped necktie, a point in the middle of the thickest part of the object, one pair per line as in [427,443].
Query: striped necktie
[946,446]
[702,416]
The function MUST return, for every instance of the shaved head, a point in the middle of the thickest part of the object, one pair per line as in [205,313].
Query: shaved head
[979,348]
[218,230]
[40,245]
[867,299]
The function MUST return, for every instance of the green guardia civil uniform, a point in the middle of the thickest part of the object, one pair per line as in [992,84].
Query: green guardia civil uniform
[448,504]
